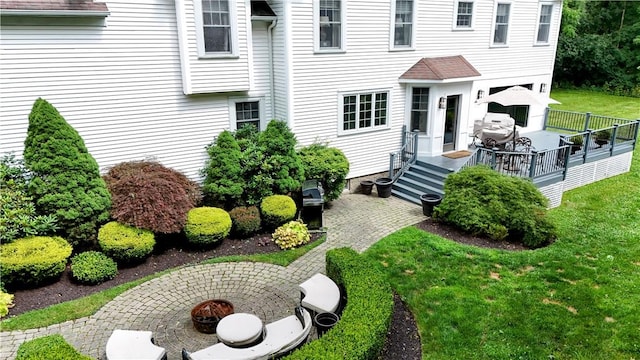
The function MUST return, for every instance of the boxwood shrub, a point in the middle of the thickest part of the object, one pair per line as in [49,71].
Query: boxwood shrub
[49,347]
[277,210]
[125,243]
[32,261]
[327,164]
[93,267]
[364,322]
[207,225]
[245,221]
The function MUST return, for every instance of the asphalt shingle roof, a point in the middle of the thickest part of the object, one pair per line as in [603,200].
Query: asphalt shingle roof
[440,68]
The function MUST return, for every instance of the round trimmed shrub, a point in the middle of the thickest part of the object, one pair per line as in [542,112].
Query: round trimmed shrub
[277,210]
[148,195]
[327,164]
[207,225]
[32,261]
[125,243]
[245,220]
[93,267]
[291,235]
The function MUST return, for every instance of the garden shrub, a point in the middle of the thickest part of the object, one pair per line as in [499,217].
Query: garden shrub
[481,201]
[66,179]
[49,347]
[245,221]
[32,261]
[329,165]
[277,210]
[18,217]
[281,163]
[148,195]
[6,302]
[207,225]
[291,235]
[93,267]
[223,182]
[364,322]
[125,243]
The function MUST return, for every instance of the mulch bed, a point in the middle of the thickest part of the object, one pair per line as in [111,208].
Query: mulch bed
[403,339]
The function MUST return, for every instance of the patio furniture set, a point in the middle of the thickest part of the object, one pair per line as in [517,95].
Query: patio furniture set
[243,335]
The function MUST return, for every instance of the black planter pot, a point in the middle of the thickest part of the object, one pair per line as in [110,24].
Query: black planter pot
[325,321]
[383,187]
[429,201]
[366,186]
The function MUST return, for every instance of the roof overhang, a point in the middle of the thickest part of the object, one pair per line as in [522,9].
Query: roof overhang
[56,13]
[440,70]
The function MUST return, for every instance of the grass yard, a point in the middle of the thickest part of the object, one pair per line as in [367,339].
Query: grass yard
[576,299]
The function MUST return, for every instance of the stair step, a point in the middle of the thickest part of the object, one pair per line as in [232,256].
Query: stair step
[422,186]
[407,197]
[423,180]
[428,172]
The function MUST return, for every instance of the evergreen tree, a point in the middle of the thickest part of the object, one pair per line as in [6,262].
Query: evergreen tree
[223,183]
[66,178]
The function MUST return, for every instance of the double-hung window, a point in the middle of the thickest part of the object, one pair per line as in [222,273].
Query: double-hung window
[403,29]
[464,15]
[544,23]
[364,111]
[215,27]
[330,25]
[501,25]
[246,112]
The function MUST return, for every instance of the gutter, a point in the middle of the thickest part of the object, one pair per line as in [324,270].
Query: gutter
[272,86]
[55,13]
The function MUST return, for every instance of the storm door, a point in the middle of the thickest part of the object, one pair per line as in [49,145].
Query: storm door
[451,123]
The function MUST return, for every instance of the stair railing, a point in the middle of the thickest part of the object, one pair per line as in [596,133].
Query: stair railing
[401,160]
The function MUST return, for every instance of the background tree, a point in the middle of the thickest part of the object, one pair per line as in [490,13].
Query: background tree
[66,179]
[599,46]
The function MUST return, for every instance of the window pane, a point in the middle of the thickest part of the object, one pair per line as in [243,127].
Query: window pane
[381,109]
[403,23]
[248,113]
[349,110]
[465,13]
[365,111]
[545,23]
[330,24]
[217,28]
[419,109]
[502,24]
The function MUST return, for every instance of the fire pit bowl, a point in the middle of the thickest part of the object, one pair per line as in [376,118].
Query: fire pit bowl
[206,315]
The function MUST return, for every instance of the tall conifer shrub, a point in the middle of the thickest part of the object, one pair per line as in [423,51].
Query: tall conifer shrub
[66,178]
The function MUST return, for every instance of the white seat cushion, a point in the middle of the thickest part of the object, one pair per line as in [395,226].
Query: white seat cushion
[321,294]
[239,329]
[133,345]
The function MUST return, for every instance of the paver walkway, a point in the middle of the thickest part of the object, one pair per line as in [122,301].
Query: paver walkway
[163,305]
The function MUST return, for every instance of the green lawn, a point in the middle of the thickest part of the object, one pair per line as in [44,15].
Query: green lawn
[576,299]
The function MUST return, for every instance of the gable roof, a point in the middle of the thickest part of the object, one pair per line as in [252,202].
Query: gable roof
[52,6]
[440,68]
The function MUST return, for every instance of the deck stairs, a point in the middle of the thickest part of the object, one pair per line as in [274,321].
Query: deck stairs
[420,178]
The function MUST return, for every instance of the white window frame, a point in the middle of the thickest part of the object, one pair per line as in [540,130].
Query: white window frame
[316,29]
[495,24]
[373,127]
[233,121]
[233,20]
[392,27]
[539,23]
[456,14]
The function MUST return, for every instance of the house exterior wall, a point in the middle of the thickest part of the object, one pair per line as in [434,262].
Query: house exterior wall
[136,87]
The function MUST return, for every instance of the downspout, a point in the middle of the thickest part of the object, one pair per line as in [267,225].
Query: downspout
[272,86]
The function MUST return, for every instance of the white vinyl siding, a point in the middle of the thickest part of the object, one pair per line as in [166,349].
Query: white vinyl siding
[463,15]
[544,24]
[330,27]
[364,111]
[403,28]
[213,72]
[501,24]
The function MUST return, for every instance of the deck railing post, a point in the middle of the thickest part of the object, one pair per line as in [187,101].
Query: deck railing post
[587,141]
[635,136]
[546,118]
[587,120]
[493,158]
[566,162]
[392,160]
[613,138]
[414,138]
[534,163]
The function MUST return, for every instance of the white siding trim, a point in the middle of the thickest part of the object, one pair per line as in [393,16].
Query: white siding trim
[233,16]
[181,23]
[289,66]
